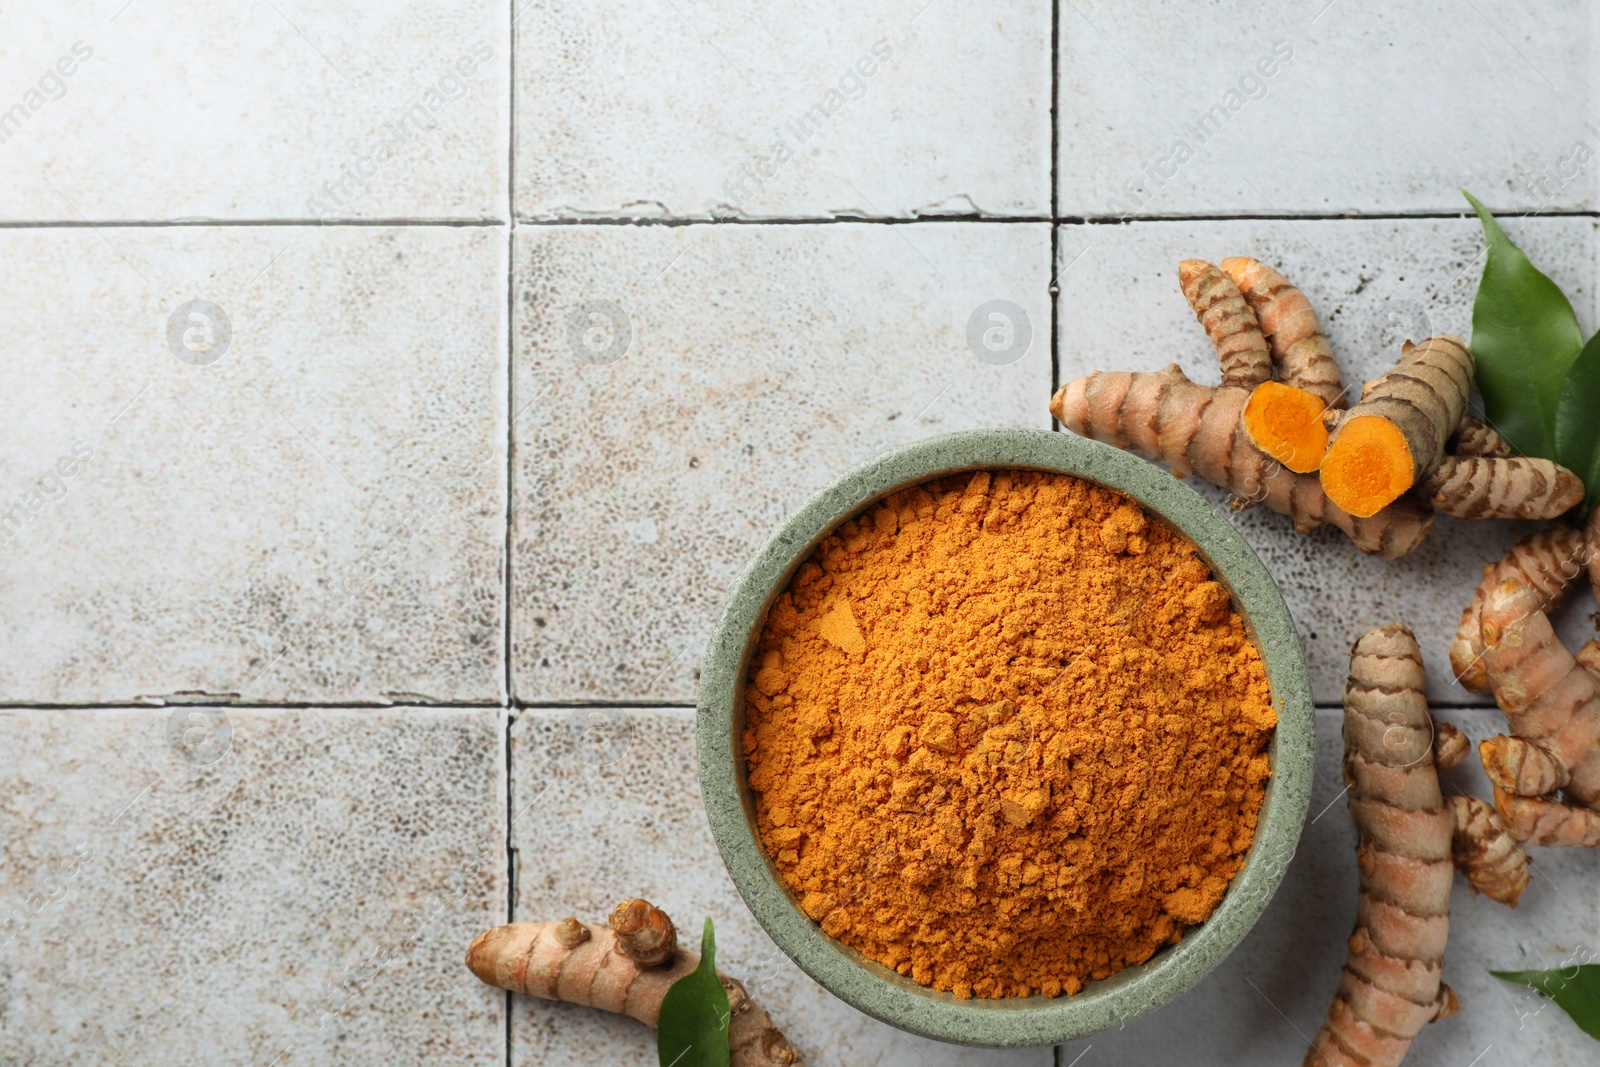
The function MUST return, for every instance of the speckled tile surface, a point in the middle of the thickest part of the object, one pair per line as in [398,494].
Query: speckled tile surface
[678,389]
[207,886]
[369,357]
[1264,1003]
[310,506]
[1373,283]
[143,109]
[1321,107]
[700,109]
[622,781]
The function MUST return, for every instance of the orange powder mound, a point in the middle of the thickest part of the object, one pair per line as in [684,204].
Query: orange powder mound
[1006,735]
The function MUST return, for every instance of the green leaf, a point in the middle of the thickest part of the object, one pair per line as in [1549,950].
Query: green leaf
[693,1028]
[1578,420]
[1575,989]
[1524,336]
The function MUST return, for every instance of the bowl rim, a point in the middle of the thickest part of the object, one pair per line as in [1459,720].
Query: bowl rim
[1010,1021]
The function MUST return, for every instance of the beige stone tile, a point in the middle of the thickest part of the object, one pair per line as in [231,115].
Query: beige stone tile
[198,886]
[699,109]
[150,110]
[1266,1000]
[607,805]
[729,372]
[1317,107]
[1373,282]
[311,509]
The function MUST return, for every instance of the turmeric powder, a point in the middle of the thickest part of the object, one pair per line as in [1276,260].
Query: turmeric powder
[1006,735]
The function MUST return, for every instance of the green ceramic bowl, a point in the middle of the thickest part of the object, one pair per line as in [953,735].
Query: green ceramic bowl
[879,991]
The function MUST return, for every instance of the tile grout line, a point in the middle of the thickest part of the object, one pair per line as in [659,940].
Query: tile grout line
[235,705]
[1052,285]
[511,332]
[919,220]
[175,224]
[511,471]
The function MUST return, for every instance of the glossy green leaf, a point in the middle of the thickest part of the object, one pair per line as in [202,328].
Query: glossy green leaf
[1525,337]
[1578,420]
[1575,989]
[693,1028]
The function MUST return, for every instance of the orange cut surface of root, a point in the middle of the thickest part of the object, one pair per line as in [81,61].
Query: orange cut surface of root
[1286,423]
[1368,465]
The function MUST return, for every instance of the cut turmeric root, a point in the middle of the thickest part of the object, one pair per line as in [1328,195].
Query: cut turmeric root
[1286,423]
[1396,435]
[625,968]
[1299,348]
[1379,472]
[1195,429]
[1371,466]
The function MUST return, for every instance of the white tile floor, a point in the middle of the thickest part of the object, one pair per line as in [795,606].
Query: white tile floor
[483,410]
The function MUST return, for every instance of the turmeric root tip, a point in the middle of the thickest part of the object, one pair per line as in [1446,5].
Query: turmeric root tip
[1231,324]
[1286,423]
[1450,745]
[1490,859]
[1518,765]
[1476,438]
[644,933]
[1588,657]
[1368,465]
[1501,487]
[1546,822]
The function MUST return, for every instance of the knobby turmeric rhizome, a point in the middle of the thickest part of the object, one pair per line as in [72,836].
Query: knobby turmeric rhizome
[1005,734]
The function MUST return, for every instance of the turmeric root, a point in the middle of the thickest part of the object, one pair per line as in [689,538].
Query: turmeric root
[1299,349]
[1391,985]
[1520,766]
[1367,461]
[1547,562]
[1475,438]
[626,968]
[1589,657]
[1450,745]
[1395,437]
[1552,702]
[1286,423]
[1501,487]
[1486,853]
[644,933]
[1235,333]
[1487,856]
[1193,428]
[1545,822]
